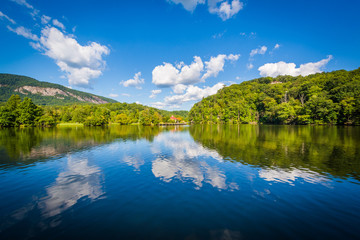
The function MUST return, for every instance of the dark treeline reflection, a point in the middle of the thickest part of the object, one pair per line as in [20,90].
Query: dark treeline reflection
[27,145]
[324,149]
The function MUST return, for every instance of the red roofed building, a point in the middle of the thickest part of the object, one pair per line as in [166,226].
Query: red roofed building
[174,118]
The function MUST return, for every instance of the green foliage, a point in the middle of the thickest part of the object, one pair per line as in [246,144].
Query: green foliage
[323,98]
[10,85]
[330,149]
[26,113]
[16,113]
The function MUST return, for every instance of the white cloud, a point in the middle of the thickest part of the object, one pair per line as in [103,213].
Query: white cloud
[193,93]
[134,82]
[24,32]
[283,68]
[168,75]
[218,35]
[261,50]
[45,19]
[249,66]
[58,24]
[2,15]
[23,3]
[162,105]
[179,88]
[225,10]
[216,65]
[81,63]
[125,95]
[34,11]
[154,93]
[113,95]
[189,5]
[277,46]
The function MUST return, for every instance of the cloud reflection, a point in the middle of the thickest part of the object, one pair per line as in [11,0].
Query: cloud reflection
[184,162]
[134,161]
[80,180]
[290,176]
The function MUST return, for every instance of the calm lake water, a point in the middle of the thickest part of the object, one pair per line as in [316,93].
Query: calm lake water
[197,182]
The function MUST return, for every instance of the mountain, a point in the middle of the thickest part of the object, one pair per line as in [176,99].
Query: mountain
[322,98]
[44,93]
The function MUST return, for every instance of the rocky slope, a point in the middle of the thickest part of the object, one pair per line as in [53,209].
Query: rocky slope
[44,93]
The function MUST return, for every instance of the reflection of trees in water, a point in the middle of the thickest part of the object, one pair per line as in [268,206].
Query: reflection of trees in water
[322,149]
[32,144]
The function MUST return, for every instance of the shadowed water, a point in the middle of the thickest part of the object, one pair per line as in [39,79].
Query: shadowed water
[197,182]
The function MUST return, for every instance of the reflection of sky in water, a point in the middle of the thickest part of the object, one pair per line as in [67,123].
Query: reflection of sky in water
[80,180]
[184,160]
[291,175]
[177,156]
[169,180]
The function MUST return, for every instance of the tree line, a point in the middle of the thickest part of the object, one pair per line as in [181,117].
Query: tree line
[323,98]
[16,112]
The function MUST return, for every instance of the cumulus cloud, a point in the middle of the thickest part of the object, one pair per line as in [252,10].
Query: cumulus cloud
[189,5]
[154,93]
[168,75]
[277,46]
[58,24]
[113,95]
[216,64]
[80,63]
[283,68]
[24,32]
[179,88]
[193,93]
[249,66]
[224,9]
[2,15]
[134,82]
[261,50]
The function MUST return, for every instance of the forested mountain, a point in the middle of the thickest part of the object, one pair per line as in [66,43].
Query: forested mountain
[323,98]
[44,93]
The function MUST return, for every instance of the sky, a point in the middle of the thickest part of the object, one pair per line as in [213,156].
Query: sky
[170,54]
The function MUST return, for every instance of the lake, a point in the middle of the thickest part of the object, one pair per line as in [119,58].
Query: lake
[184,182]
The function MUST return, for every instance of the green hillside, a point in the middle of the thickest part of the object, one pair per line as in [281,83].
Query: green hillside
[44,93]
[323,98]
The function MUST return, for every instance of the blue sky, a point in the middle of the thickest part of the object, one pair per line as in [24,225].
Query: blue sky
[171,53]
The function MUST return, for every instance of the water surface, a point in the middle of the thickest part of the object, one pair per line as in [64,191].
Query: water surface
[197,182]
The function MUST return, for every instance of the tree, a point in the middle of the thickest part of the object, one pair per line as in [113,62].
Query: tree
[29,113]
